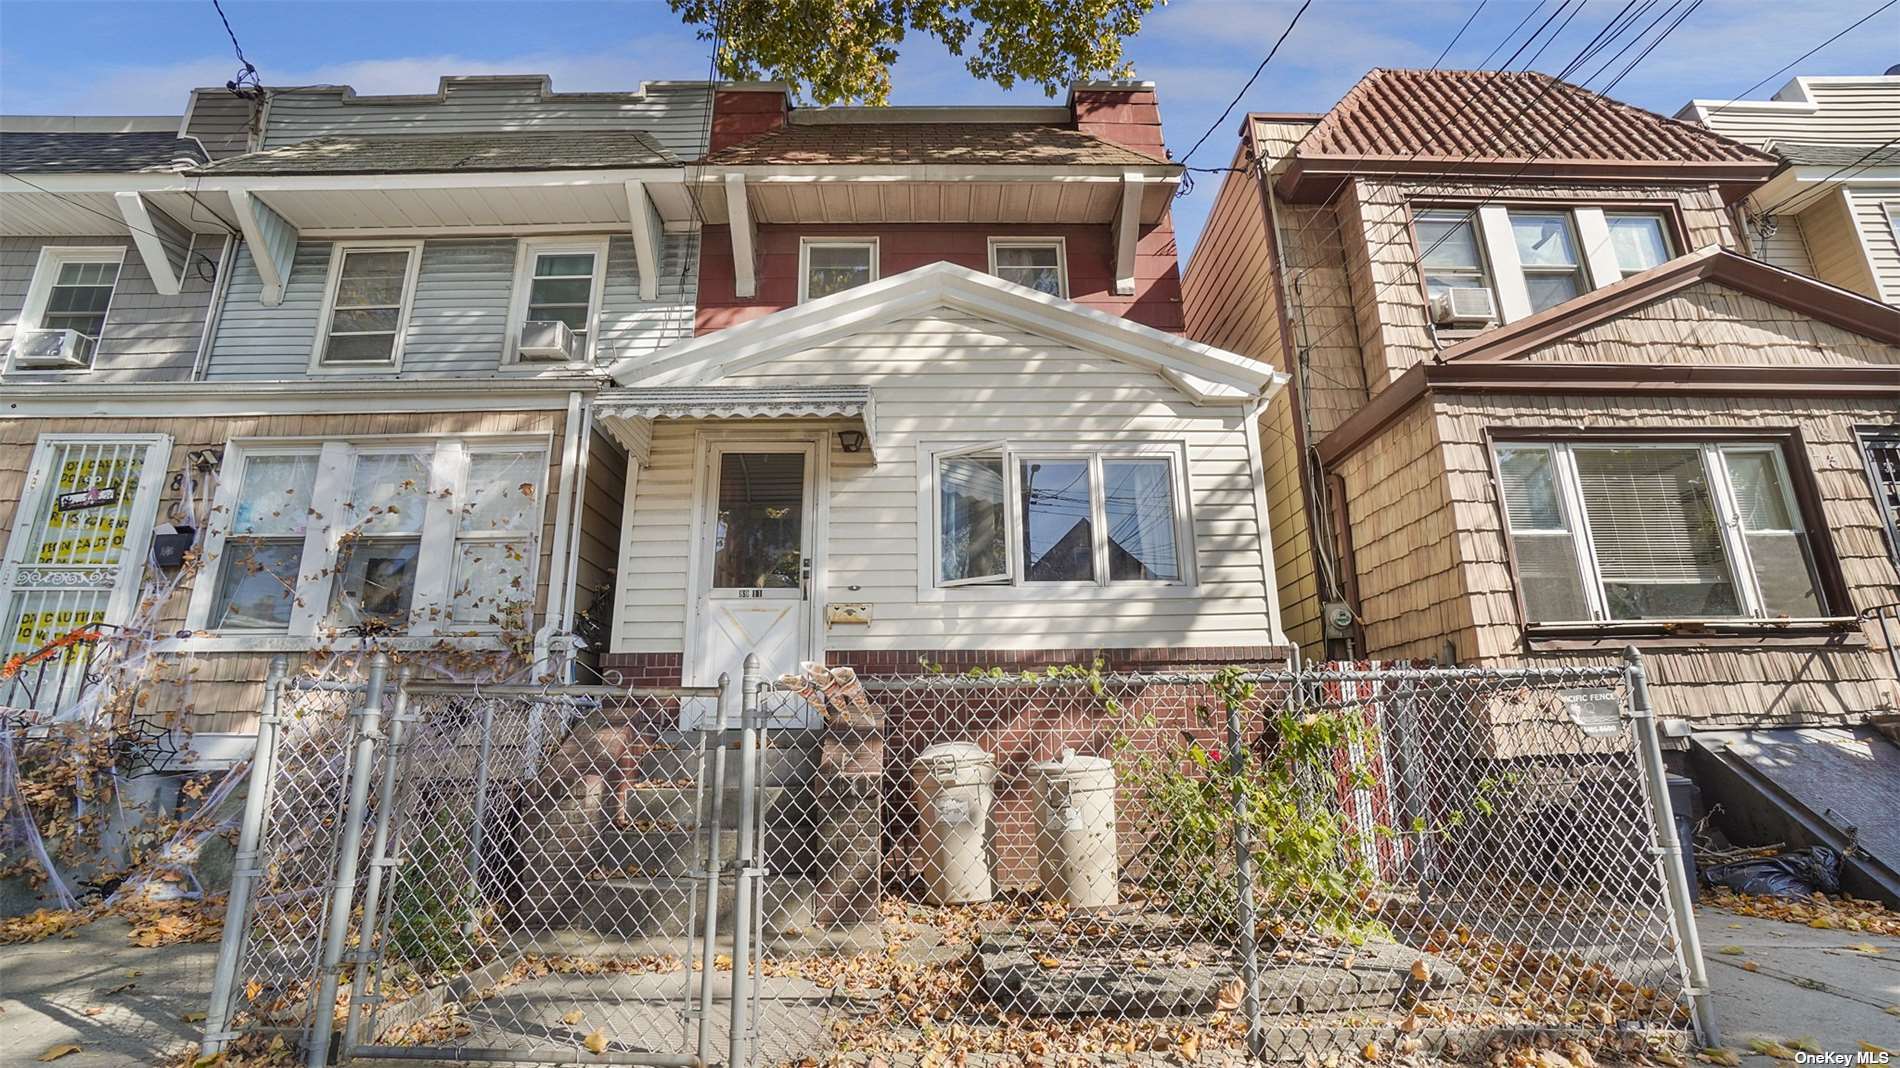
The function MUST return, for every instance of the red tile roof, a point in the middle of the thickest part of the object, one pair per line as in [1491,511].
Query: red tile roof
[973,143]
[1506,115]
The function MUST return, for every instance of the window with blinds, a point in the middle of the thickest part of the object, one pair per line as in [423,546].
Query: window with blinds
[1622,532]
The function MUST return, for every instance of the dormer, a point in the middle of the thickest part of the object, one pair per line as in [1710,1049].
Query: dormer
[801,202]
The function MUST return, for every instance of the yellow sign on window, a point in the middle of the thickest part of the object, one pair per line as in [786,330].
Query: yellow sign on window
[89,535]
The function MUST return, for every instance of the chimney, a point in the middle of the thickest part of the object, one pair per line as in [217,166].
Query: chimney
[744,110]
[1124,112]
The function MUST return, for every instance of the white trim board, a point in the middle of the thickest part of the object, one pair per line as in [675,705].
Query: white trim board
[1205,374]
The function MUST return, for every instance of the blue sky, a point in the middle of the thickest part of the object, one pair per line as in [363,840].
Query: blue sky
[142,57]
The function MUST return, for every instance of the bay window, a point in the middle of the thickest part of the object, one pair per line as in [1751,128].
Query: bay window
[374,537]
[1658,531]
[1026,515]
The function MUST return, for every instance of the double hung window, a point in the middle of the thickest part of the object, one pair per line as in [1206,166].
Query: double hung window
[72,289]
[1019,515]
[833,266]
[1033,262]
[366,306]
[1626,532]
[375,537]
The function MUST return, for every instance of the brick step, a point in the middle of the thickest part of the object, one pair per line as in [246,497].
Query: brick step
[629,907]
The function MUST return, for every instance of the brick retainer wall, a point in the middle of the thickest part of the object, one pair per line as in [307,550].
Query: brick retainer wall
[665,669]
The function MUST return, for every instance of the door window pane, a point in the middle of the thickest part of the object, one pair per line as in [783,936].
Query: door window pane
[1037,266]
[974,535]
[1777,547]
[1058,534]
[758,540]
[1639,241]
[1542,541]
[257,576]
[1138,497]
[836,268]
[368,307]
[1654,528]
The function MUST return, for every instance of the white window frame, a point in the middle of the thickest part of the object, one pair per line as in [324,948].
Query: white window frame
[930,560]
[1059,244]
[1610,266]
[340,250]
[40,291]
[1728,521]
[1589,229]
[806,244]
[432,603]
[527,250]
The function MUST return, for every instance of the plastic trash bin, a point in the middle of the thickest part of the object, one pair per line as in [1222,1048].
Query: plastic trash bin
[953,785]
[1075,829]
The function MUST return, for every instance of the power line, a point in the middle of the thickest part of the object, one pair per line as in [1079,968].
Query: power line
[1453,43]
[1792,63]
[245,83]
[1231,104]
[1821,190]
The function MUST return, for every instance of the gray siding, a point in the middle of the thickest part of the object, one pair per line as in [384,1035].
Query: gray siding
[674,114]
[221,122]
[147,337]
[458,323]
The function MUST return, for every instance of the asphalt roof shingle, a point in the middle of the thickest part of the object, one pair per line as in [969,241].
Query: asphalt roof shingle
[445,153]
[76,153]
[1834,154]
[971,143]
[1491,115]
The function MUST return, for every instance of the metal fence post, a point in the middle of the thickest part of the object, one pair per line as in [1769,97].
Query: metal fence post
[244,871]
[478,819]
[1669,854]
[368,733]
[379,862]
[712,741]
[1243,877]
[746,883]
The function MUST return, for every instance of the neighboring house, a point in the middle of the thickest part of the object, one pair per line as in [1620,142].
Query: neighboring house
[1541,408]
[387,427]
[939,409]
[1833,209]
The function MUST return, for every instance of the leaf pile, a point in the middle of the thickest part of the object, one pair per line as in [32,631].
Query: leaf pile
[1840,913]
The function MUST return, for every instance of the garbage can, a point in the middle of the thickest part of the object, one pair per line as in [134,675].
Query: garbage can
[953,784]
[1075,829]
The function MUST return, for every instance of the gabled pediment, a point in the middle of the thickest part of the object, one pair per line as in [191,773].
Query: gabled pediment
[1205,374]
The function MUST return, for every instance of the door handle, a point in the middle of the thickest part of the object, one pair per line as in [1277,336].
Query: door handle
[804,575]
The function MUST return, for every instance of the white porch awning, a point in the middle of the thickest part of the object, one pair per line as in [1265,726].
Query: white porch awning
[628,414]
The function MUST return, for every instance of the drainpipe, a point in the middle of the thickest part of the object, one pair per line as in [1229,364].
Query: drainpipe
[226,257]
[571,592]
[559,576]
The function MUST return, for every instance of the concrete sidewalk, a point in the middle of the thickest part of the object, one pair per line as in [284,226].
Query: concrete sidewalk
[1807,984]
[121,1004]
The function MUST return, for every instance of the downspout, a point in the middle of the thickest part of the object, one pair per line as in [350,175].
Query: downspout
[559,577]
[575,535]
[226,257]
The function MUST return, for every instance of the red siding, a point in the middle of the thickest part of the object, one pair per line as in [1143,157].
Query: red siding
[1156,301]
[742,114]
[1128,117]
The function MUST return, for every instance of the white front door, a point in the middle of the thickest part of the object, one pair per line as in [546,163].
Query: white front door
[753,583]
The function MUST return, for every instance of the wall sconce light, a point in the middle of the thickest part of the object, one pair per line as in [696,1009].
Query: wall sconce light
[851,440]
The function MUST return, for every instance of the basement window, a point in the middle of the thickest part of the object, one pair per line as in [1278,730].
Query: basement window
[1657,531]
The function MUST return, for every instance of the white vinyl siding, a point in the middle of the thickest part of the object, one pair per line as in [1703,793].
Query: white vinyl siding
[943,378]
[1876,211]
[151,337]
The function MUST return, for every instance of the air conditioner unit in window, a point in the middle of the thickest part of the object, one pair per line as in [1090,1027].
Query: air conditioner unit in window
[1463,304]
[49,349]
[546,340]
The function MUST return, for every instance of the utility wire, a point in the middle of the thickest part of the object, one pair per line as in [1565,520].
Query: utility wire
[1473,17]
[1814,195]
[1231,104]
[245,83]
[1855,25]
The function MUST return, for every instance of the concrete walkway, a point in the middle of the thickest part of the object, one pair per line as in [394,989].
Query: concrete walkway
[1807,985]
[119,1003]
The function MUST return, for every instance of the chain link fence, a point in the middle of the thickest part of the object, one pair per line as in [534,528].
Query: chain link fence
[998,869]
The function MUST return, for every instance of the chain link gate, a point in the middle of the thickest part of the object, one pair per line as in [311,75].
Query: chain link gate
[1013,868]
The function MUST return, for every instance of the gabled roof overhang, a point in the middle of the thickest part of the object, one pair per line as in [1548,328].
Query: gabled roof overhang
[1203,374]
[1313,179]
[1491,362]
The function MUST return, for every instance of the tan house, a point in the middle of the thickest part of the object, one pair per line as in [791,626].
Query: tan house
[1833,209]
[1542,408]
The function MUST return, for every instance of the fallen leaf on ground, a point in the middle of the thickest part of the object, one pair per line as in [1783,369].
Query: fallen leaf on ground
[54,1053]
[1750,966]
[596,1041]
[1718,1055]
[1421,971]
[1370,1051]
[1731,951]
[1868,1047]
[1227,999]
[573,1017]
